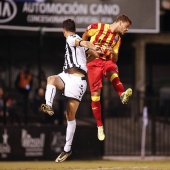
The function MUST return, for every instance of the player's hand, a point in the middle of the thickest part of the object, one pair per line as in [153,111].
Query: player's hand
[109,48]
[114,57]
[99,49]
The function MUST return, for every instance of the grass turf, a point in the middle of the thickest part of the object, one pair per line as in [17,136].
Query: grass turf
[86,165]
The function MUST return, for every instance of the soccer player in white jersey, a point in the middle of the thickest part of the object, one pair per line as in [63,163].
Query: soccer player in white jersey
[72,81]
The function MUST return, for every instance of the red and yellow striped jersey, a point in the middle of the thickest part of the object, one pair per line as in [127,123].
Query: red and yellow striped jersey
[101,35]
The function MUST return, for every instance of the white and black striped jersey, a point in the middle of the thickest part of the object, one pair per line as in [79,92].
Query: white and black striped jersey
[75,55]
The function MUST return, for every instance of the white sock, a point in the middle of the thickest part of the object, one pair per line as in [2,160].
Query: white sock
[71,127]
[50,94]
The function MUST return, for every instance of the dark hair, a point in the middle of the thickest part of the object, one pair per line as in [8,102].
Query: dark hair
[69,25]
[124,18]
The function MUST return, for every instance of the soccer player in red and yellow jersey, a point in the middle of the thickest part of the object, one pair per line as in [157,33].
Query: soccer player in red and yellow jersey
[107,36]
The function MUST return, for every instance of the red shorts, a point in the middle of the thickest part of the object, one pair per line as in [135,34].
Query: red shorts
[96,69]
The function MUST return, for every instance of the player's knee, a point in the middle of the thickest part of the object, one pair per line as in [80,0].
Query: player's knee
[95,98]
[50,79]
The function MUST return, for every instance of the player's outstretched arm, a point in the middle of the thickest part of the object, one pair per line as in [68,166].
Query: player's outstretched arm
[85,36]
[89,45]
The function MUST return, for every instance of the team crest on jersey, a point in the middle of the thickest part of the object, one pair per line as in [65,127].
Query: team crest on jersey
[116,38]
[117,68]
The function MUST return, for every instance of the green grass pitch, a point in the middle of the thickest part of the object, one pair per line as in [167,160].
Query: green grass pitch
[86,165]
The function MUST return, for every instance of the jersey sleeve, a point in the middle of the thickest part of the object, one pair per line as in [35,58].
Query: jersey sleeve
[80,39]
[71,39]
[92,29]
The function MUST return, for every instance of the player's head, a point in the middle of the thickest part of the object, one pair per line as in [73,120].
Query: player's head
[69,25]
[124,23]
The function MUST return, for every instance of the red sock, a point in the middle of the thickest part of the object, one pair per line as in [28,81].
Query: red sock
[96,108]
[118,86]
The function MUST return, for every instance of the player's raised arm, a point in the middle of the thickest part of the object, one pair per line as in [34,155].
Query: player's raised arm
[85,36]
[88,44]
